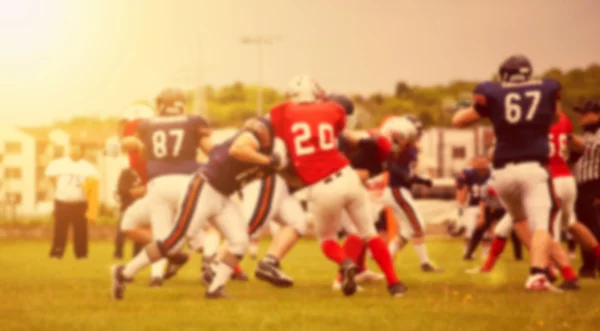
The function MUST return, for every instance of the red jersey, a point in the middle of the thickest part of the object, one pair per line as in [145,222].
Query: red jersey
[558,147]
[310,132]
[137,162]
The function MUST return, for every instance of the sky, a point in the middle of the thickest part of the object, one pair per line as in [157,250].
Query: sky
[60,58]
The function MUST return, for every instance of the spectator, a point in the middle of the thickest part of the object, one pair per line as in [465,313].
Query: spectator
[75,201]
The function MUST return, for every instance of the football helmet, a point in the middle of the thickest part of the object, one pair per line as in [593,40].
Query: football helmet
[303,89]
[170,101]
[343,101]
[515,69]
[417,123]
[400,130]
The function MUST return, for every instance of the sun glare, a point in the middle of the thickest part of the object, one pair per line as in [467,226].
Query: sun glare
[27,26]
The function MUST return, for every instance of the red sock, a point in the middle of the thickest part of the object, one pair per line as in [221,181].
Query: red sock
[354,247]
[382,256]
[333,251]
[597,252]
[237,270]
[495,252]
[568,273]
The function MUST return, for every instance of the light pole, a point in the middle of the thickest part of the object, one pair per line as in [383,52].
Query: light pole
[259,41]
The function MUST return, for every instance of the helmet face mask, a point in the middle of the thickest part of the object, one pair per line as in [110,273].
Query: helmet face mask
[170,102]
[515,69]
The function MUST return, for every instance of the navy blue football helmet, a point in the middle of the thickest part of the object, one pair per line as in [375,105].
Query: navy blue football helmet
[515,69]
[343,101]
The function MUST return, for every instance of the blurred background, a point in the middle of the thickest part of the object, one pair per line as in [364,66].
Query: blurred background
[69,68]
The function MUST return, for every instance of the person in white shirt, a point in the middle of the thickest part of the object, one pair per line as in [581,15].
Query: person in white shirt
[75,201]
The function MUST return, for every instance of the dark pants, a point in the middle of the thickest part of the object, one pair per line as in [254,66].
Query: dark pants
[120,240]
[588,214]
[65,215]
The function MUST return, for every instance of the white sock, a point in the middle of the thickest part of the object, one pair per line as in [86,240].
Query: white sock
[211,243]
[393,247]
[253,248]
[158,268]
[138,262]
[421,250]
[222,274]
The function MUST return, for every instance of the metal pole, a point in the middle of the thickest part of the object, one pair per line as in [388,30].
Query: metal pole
[259,97]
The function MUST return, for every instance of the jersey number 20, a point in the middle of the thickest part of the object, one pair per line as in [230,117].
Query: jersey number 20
[302,135]
[512,106]
[160,146]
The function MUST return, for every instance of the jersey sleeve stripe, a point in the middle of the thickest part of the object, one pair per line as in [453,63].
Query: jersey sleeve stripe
[408,210]
[261,211]
[185,214]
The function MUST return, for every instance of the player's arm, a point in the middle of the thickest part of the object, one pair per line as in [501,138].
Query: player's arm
[132,144]
[245,148]
[467,116]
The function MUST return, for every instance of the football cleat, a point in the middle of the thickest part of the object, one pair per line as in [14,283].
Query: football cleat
[539,283]
[155,282]
[118,282]
[270,272]
[207,276]
[219,293]
[367,276]
[175,263]
[570,285]
[476,270]
[337,286]
[348,271]
[240,276]
[427,267]
[397,289]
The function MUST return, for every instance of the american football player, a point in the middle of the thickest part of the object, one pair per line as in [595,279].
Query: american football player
[310,127]
[521,109]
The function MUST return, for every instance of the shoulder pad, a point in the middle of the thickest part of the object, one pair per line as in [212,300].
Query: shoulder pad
[261,129]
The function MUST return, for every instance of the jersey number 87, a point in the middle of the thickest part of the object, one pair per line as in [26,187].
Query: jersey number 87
[303,134]
[160,143]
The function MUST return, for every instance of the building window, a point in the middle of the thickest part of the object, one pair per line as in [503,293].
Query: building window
[40,196]
[459,153]
[12,147]
[13,198]
[12,173]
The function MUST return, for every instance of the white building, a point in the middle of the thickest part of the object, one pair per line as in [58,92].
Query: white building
[17,173]
[444,152]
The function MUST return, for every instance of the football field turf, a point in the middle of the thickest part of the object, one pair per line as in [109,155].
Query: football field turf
[42,294]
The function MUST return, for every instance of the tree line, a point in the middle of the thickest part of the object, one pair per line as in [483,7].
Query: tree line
[230,105]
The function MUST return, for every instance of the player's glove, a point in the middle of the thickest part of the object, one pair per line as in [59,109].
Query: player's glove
[274,162]
[422,181]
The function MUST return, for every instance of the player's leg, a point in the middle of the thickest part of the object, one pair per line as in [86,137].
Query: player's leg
[405,200]
[566,190]
[200,202]
[479,233]
[326,202]
[362,217]
[231,223]
[470,217]
[541,208]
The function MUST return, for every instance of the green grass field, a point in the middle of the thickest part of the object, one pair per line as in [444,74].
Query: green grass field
[42,294]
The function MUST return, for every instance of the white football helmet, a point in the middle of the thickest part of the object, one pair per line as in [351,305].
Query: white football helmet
[400,129]
[136,112]
[303,88]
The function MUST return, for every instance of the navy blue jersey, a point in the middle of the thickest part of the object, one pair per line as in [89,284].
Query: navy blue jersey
[228,174]
[170,143]
[400,167]
[475,183]
[366,155]
[521,115]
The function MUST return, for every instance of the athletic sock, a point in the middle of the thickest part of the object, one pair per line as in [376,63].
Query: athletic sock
[421,250]
[138,262]
[568,273]
[383,258]
[495,251]
[158,268]
[354,246]
[333,251]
